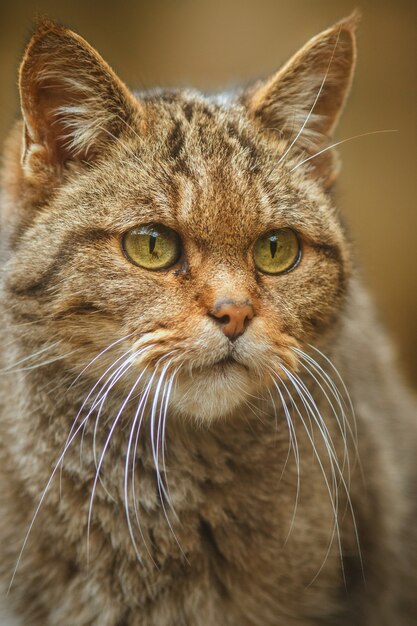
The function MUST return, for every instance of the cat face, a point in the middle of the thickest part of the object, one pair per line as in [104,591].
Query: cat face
[190,241]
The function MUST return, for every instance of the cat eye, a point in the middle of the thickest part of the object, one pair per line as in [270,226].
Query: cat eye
[277,251]
[152,246]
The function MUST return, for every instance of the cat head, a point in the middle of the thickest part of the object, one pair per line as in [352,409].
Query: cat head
[185,241]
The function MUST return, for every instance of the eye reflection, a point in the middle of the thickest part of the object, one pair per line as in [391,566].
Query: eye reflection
[277,251]
[152,246]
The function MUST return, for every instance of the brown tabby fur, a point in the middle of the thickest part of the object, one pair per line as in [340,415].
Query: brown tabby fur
[94,162]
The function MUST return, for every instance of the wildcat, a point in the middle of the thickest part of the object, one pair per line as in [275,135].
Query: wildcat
[202,422]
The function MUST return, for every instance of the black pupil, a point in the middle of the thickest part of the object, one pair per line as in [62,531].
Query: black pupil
[152,243]
[273,246]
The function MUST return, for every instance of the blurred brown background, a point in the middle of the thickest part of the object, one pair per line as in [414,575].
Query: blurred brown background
[214,43]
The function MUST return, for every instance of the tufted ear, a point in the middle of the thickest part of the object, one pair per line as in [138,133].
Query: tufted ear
[303,100]
[72,102]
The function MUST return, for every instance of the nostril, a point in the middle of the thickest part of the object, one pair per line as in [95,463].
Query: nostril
[232,317]
[224,319]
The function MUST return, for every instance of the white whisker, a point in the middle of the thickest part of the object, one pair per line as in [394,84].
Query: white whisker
[163,438]
[294,141]
[136,425]
[94,402]
[345,389]
[294,446]
[161,487]
[332,458]
[34,354]
[42,498]
[338,143]
[104,449]
[115,343]
[341,424]
[333,496]
[332,387]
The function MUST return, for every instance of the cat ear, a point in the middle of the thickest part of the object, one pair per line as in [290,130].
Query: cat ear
[303,100]
[72,102]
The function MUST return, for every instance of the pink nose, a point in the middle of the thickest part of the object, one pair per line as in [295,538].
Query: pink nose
[233,318]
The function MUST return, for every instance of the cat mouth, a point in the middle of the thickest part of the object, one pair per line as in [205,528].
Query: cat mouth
[221,365]
[227,362]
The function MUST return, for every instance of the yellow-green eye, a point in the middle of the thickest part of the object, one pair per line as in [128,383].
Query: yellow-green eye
[277,251]
[152,246]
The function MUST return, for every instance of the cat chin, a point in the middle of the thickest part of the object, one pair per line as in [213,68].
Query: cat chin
[209,395]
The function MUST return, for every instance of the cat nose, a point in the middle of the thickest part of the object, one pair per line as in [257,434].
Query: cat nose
[232,317]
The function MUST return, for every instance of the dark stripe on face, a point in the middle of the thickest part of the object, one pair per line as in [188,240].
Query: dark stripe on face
[330,251]
[318,326]
[192,109]
[205,110]
[324,315]
[175,140]
[175,144]
[188,111]
[77,308]
[333,254]
[170,97]
[63,256]
[246,144]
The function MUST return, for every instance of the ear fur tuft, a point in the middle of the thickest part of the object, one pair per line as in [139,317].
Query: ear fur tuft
[304,100]
[72,102]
